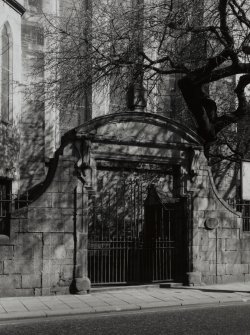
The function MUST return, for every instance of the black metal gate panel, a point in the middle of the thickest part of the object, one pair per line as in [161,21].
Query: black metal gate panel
[132,235]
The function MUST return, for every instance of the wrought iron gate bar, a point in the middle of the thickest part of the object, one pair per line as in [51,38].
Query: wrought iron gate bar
[130,241]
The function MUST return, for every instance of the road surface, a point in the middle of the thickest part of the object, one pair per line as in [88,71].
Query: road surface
[227,319]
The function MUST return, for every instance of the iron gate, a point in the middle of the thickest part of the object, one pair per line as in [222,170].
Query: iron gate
[132,236]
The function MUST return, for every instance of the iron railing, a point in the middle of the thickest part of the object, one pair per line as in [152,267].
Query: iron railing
[130,261]
[242,206]
[9,203]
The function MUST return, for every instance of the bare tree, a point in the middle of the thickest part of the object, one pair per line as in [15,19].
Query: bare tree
[124,45]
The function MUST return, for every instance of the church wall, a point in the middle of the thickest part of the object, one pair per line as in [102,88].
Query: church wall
[10,131]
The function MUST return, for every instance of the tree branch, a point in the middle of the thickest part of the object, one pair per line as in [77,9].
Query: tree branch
[243,106]
[225,30]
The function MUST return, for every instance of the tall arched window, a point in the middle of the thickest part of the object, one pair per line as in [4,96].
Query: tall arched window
[7,74]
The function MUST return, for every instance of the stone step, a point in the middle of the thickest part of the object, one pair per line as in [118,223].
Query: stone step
[171,285]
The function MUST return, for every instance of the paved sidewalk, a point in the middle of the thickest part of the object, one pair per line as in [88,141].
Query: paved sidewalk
[128,299]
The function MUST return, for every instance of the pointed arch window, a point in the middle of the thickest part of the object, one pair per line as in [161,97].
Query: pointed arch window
[6,74]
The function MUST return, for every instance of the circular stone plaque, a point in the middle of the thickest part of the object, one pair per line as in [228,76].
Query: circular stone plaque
[211,223]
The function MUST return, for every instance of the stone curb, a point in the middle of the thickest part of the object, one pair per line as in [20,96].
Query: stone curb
[222,290]
[102,310]
[204,289]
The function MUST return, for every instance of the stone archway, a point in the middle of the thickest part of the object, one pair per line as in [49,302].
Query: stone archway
[147,149]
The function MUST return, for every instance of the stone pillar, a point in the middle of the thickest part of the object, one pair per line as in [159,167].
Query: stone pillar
[85,168]
[81,283]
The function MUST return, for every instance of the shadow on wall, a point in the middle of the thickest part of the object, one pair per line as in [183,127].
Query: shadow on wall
[226,180]
[9,150]
[32,144]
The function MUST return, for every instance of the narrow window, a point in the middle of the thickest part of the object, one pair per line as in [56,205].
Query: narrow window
[6,80]
[5,203]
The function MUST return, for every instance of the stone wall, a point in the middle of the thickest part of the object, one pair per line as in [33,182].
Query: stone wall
[219,246]
[46,252]
[40,256]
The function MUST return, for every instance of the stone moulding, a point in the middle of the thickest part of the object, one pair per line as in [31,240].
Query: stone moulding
[87,132]
[139,117]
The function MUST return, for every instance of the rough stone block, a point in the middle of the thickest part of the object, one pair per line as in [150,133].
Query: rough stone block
[29,246]
[46,279]
[47,252]
[54,187]
[235,233]
[1,267]
[42,216]
[57,226]
[198,222]
[59,252]
[63,200]
[194,251]
[68,241]
[211,234]
[10,281]
[221,269]
[66,186]
[208,279]
[47,266]
[38,291]
[236,269]
[221,244]
[23,252]
[224,233]
[22,225]
[68,220]
[19,267]
[230,278]
[212,244]
[203,267]
[70,253]
[25,292]
[239,222]
[194,278]
[83,242]
[31,281]
[227,257]
[245,244]
[46,239]
[44,201]
[30,239]
[46,291]
[247,277]
[209,246]
[21,213]
[210,255]
[66,174]
[67,271]
[57,238]
[6,252]
[232,244]
[212,268]
[245,257]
